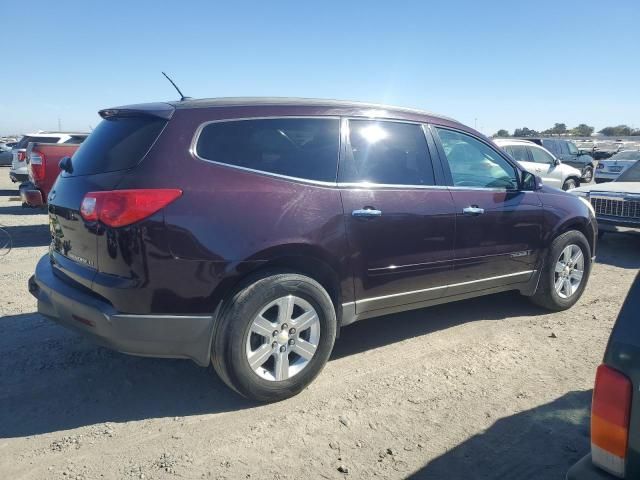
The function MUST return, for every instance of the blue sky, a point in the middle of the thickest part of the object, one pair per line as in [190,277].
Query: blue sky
[499,62]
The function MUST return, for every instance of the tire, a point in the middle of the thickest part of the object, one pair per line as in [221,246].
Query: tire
[587,176]
[547,296]
[570,184]
[271,296]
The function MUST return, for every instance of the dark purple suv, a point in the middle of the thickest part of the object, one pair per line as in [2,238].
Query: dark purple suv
[247,232]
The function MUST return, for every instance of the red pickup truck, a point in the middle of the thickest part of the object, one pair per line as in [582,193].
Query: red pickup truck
[43,166]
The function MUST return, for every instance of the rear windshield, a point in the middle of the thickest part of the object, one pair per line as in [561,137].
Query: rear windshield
[26,140]
[117,143]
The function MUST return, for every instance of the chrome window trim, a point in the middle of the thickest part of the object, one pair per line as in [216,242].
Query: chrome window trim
[373,186]
[431,289]
[196,136]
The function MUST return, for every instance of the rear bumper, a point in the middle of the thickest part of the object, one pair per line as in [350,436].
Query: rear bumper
[171,336]
[584,469]
[30,195]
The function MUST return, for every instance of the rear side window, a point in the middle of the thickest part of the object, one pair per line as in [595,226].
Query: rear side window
[386,153]
[117,143]
[24,141]
[295,147]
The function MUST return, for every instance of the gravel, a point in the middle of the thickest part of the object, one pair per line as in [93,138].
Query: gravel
[486,388]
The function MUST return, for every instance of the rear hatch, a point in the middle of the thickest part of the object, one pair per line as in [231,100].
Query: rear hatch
[117,145]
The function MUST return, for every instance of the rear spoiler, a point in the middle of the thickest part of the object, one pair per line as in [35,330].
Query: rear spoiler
[159,110]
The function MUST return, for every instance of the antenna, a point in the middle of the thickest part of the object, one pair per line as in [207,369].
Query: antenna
[182,97]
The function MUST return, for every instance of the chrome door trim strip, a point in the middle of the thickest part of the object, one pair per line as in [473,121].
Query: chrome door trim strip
[412,292]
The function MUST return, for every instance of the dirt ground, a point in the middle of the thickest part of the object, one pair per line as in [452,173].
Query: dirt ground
[486,388]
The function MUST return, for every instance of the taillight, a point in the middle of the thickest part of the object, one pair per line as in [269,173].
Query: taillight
[36,167]
[610,411]
[22,156]
[118,208]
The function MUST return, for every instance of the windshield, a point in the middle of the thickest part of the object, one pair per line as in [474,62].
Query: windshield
[627,155]
[632,174]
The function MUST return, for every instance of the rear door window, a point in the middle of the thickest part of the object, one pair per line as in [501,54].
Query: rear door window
[540,156]
[551,145]
[389,153]
[564,148]
[520,153]
[117,143]
[304,148]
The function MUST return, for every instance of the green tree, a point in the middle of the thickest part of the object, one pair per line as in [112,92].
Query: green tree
[502,133]
[558,129]
[524,132]
[618,131]
[582,130]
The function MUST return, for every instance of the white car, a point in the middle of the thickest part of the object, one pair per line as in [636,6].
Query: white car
[612,167]
[19,172]
[541,162]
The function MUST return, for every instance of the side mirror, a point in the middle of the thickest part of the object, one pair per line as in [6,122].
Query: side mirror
[531,182]
[65,165]
[556,161]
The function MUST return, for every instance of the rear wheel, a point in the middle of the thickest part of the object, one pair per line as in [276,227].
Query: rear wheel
[587,176]
[275,336]
[565,272]
[570,184]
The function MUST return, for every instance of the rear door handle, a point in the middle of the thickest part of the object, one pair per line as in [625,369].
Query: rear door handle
[473,210]
[366,213]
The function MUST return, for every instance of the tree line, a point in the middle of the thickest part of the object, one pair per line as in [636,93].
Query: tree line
[581,130]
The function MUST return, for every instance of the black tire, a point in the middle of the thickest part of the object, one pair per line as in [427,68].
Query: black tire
[587,176]
[570,184]
[229,356]
[546,295]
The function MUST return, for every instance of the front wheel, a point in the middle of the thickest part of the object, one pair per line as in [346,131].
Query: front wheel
[587,176]
[565,273]
[570,184]
[275,336]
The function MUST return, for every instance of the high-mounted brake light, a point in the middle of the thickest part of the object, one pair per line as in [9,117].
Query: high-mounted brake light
[118,208]
[610,420]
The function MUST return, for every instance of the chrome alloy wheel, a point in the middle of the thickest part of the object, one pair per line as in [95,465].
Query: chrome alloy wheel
[569,271]
[283,338]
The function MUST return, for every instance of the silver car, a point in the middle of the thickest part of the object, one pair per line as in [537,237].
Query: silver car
[611,168]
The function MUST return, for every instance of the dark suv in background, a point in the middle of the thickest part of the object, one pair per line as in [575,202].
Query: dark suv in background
[247,232]
[567,152]
[615,408]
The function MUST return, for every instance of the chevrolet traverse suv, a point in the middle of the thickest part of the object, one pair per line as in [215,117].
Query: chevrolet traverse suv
[247,232]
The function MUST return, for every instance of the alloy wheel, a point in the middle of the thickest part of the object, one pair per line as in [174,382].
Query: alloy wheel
[569,271]
[283,338]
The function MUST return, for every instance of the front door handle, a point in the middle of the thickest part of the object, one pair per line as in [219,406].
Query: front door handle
[366,213]
[473,210]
